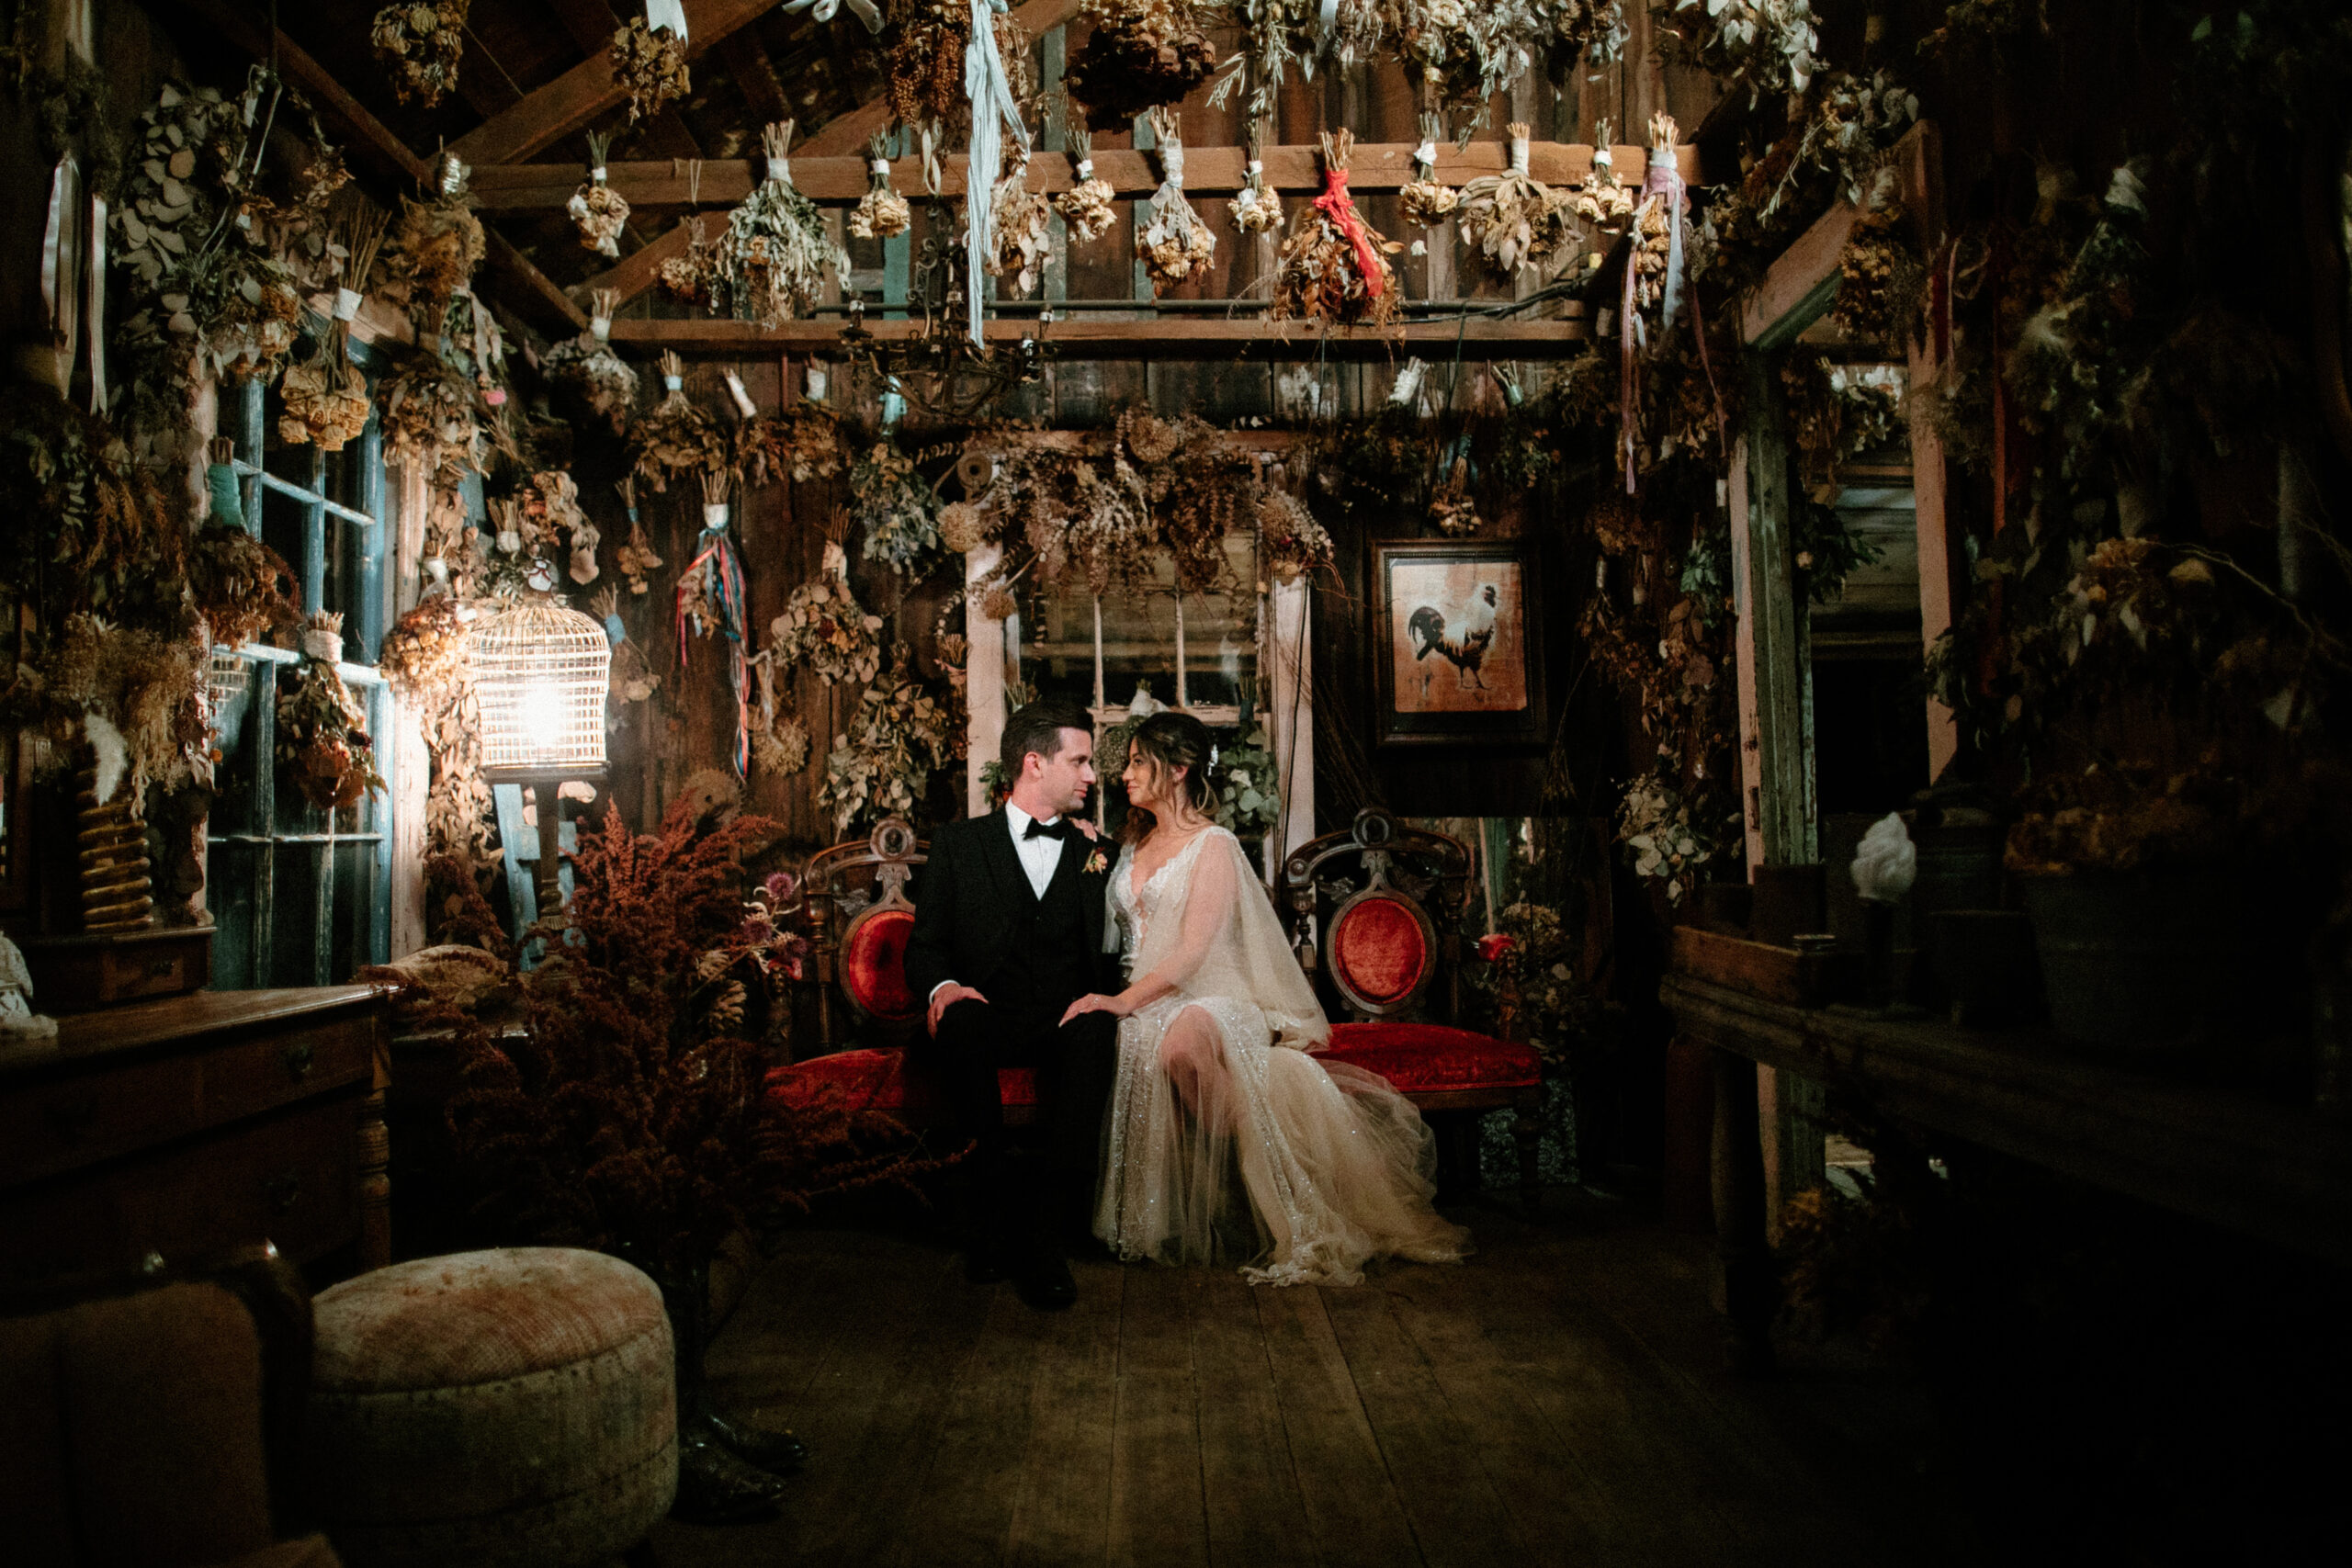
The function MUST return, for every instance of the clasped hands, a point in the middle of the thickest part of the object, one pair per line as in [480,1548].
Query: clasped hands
[951,994]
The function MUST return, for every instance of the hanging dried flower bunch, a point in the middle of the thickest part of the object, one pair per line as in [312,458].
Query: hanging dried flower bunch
[433,250]
[1882,281]
[419,42]
[1335,265]
[597,209]
[1175,243]
[1451,509]
[775,252]
[882,213]
[1655,223]
[432,415]
[1290,541]
[552,503]
[924,61]
[1512,219]
[803,440]
[325,399]
[1425,200]
[323,740]
[426,654]
[896,509]
[882,764]
[1600,201]
[688,275]
[678,439]
[1199,490]
[1281,39]
[1465,53]
[1766,45]
[824,627]
[1020,229]
[636,558]
[1086,206]
[650,64]
[632,679]
[1256,210]
[1141,54]
[587,368]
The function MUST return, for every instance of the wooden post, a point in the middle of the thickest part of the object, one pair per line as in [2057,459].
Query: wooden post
[984,681]
[1750,1288]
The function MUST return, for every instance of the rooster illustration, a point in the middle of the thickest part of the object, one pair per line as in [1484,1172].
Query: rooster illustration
[1426,626]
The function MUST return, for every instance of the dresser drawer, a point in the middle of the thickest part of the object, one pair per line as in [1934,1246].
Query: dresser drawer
[279,1068]
[109,1108]
[291,1178]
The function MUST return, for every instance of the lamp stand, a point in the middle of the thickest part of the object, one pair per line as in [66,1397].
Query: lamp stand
[546,882]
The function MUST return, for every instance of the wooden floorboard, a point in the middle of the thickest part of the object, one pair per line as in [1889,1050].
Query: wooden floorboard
[1254,1511]
[1062,1515]
[1351,1509]
[1155,1515]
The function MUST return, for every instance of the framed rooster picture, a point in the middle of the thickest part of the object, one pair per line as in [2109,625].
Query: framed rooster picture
[1461,657]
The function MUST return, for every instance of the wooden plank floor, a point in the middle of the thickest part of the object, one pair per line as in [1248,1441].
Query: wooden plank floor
[1556,1399]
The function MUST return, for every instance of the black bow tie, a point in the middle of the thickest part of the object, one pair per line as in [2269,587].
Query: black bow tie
[1056,828]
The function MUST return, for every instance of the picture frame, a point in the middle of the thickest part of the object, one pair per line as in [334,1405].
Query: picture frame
[1457,657]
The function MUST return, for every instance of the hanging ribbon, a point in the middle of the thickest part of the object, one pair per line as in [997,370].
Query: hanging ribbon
[61,285]
[1664,179]
[670,14]
[1335,205]
[993,109]
[825,10]
[94,311]
[722,570]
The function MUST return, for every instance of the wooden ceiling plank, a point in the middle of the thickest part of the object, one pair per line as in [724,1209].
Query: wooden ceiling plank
[745,59]
[1172,339]
[848,133]
[375,145]
[590,23]
[534,290]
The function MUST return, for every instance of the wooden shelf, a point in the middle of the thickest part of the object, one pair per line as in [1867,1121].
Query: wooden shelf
[1150,339]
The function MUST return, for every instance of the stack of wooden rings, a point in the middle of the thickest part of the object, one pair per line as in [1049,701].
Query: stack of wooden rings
[116,893]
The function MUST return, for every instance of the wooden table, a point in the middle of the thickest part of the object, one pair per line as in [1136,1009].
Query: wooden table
[190,1126]
[2215,1154]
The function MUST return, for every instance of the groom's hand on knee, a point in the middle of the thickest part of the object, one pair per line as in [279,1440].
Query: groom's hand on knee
[946,997]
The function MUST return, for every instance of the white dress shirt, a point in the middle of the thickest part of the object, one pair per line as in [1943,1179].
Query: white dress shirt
[1039,857]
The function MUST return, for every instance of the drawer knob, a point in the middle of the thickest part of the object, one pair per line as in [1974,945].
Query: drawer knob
[299,1057]
[285,1190]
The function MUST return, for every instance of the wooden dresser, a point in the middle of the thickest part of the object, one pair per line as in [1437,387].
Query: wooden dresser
[190,1126]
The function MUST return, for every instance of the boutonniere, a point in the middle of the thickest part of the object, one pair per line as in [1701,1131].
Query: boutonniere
[1097,862]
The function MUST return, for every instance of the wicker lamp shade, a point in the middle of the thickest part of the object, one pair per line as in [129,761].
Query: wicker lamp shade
[540,673]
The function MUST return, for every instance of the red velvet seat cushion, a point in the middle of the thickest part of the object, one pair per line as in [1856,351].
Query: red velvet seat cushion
[878,1080]
[874,966]
[1417,1058]
[1378,947]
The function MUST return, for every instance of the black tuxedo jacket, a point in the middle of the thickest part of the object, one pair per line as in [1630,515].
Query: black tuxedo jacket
[974,905]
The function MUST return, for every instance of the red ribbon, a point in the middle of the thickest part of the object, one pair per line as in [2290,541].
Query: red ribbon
[1334,204]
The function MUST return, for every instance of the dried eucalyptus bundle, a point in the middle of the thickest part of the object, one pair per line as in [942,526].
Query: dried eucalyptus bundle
[1141,54]
[1510,219]
[1086,206]
[432,415]
[1335,265]
[597,209]
[1290,541]
[825,627]
[688,277]
[803,440]
[650,64]
[1425,200]
[1175,243]
[419,42]
[678,440]
[585,367]
[895,507]
[775,252]
[1019,229]
[1255,208]
[882,213]
[1465,53]
[1281,38]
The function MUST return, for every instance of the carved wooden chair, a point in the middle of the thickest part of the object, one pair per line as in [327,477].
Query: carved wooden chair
[860,918]
[1369,891]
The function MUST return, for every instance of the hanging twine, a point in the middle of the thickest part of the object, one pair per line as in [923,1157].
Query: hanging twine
[993,109]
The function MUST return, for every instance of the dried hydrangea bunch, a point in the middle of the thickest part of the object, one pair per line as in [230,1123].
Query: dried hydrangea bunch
[804,441]
[895,507]
[882,213]
[679,439]
[1425,200]
[824,627]
[1175,243]
[1019,229]
[688,277]
[650,64]
[419,42]
[1255,208]
[1086,206]
[1510,219]
[597,209]
[586,369]
[1335,265]
[775,253]
[1141,54]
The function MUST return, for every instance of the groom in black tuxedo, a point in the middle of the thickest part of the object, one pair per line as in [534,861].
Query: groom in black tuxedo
[1009,913]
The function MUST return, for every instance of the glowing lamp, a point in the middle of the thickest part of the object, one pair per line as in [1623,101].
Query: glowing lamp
[540,673]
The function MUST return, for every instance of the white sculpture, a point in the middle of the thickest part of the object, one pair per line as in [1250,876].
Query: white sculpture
[17,1020]
[1886,861]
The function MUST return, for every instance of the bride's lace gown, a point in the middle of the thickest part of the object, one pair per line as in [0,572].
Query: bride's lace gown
[1227,1141]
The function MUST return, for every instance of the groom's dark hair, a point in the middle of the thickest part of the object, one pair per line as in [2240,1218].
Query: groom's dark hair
[1038,728]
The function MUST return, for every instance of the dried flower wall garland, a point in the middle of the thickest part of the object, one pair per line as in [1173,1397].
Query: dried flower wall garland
[1174,241]
[895,508]
[775,253]
[1510,219]
[1086,206]
[1335,265]
[650,64]
[1140,55]
[598,210]
[823,626]
[881,213]
[678,439]
[586,367]
[420,43]
[1425,200]
[1766,46]
[1281,38]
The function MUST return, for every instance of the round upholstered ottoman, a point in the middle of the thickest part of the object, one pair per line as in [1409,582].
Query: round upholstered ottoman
[509,1407]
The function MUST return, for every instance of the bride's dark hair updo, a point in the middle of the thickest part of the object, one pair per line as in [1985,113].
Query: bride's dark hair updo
[1170,740]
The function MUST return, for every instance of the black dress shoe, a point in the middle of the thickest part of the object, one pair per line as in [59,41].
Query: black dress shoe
[771,1449]
[717,1488]
[1043,1281]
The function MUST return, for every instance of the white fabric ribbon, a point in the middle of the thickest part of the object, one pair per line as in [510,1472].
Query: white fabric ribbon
[61,247]
[1426,155]
[743,404]
[596,174]
[880,166]
[814,388]
[990,95]
[779,171]
[600,328]
[347,303]
[1518,155]
[825,10]
[673,383]
[670,14]
[714,516]
[1085,170]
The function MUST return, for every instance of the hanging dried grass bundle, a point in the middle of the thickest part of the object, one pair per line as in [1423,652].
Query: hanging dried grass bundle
[1086,206]
[433,250]
[1019,229]
[586,369]
[688,277]
[597,209]
[1335,265]
[1510,219]
[636,558]
[1425,200]
[1290,541]
[882,213]
[325,399]
[1175,243]
[804,441]
[1141,54]
[678,440]
[1256,210]
[419,42]
[775,252]
[1452,511]
[650,64]
[433,416]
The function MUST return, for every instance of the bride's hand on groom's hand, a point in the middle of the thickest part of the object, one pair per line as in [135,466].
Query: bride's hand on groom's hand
[1097,1002]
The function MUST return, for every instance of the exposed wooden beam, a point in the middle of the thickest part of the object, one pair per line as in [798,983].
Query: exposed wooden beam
[531,289]
[1208,171]
[848,133]
[590,23]
[745,59]
[587,91]
[642,269]
[1189,338]
[375,145]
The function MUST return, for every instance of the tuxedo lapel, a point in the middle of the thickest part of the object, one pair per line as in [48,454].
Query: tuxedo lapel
[1005,863]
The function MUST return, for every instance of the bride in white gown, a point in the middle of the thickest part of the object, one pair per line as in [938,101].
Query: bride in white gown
[1225,1141]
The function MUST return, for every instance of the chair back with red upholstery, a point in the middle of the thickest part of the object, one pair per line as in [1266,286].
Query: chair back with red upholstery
[861,919]
[1372,888]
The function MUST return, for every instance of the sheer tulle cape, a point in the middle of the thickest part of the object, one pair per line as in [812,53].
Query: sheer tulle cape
[1300,1171]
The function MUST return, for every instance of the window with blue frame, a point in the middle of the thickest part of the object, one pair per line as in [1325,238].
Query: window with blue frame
[300,895]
